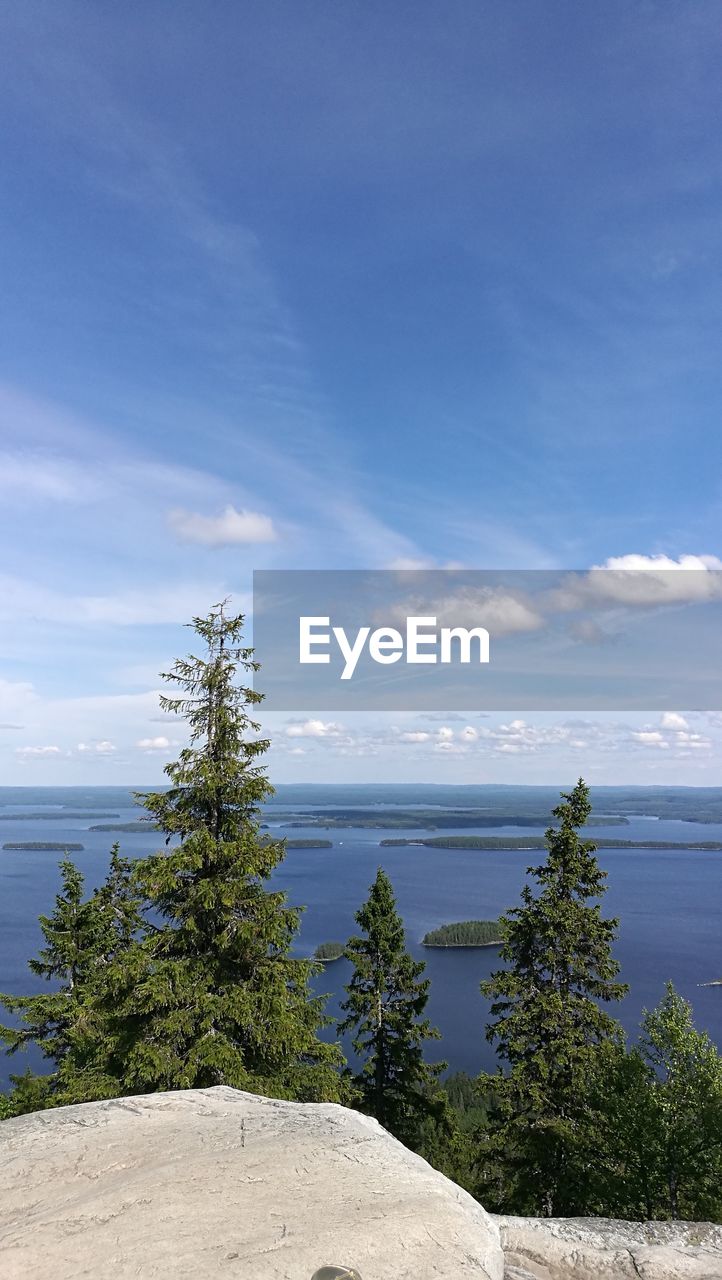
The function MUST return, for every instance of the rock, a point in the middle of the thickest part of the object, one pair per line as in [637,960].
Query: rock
[214,1182]
[217,1183]
[604,1249]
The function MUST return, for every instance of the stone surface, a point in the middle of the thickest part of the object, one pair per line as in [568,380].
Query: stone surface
[603,1249]
[213,1182]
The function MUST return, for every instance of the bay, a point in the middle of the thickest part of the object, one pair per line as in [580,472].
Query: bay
[668,902]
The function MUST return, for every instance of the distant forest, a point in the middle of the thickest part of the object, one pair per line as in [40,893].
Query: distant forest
[466,933]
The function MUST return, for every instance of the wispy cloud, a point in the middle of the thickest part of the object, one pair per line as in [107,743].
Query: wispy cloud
[228,529]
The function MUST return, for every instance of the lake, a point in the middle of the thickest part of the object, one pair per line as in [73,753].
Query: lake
[668,903]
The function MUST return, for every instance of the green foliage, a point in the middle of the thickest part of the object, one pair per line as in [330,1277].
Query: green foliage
[211,994]
[82,939]
[73,944]
[662,1149]
[687,1106]
[548,1024]
[465,933]
[385,1004]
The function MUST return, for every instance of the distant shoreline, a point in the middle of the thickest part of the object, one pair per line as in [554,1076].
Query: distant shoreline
[468,946]
[529,844]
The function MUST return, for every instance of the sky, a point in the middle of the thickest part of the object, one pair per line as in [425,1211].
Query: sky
[346,286]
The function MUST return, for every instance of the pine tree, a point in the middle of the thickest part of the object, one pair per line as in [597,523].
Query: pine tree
[74,946]
[212,995]
[386,999]
[548,1023]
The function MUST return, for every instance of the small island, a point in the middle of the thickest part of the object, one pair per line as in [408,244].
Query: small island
[328,951]
[309,844]
[142,824]
[465,933]
[44,846]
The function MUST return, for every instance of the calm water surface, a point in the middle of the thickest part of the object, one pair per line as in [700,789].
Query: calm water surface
[668,904]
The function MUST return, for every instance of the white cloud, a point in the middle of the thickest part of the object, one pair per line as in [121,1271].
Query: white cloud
[650,738]
[230,528]
[499,610]
[414,735]
[672,720]
[102,748]
[31,753]
[417,564]
[314,729]
[153,744]
[32,475]
[643,581]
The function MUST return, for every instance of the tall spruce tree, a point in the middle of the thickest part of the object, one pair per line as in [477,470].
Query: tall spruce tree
[549,1023]
[212,995]
[386,999]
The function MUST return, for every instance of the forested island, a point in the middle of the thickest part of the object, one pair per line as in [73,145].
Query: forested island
[465,933]
[44,846]
[538,842]
[327,951]
[686,804]
[427,819]
[57,815]
[140,825]
[309,844]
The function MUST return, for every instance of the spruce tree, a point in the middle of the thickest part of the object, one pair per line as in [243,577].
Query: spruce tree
[549,1023]
[75,943]
[386,999]
[212,995]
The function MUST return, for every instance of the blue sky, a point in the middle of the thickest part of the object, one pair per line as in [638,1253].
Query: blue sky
[344,286]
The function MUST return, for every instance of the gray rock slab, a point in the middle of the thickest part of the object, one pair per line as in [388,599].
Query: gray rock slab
[215,1182]
[606,1249]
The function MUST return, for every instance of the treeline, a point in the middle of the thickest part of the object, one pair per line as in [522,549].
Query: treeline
[424,819]
[539,842]
[47,846]
[329,951]
[178,972]
[465,933]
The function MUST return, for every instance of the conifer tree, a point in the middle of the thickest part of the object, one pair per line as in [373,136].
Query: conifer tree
[212,995]
[119,901]
[74,946]
[549,1022]
[386,999]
